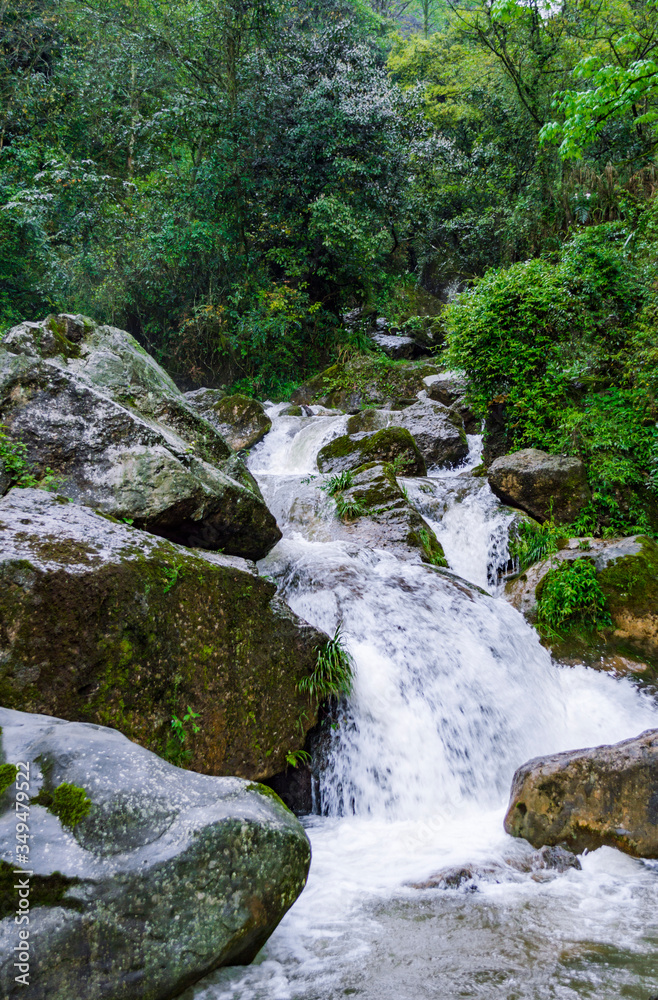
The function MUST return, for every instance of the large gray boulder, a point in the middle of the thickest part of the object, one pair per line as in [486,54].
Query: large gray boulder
[100,622]
[146,879]
[543,485]
[122,439]
[590,798]
[437,430]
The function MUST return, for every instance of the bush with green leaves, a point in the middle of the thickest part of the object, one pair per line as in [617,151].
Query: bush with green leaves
[570,595]
[554,343]
[530,542]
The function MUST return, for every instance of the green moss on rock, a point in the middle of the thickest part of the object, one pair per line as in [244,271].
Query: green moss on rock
[8,774]
[45,890]
[105,634]
[364,380]
[68,802]
[387,445]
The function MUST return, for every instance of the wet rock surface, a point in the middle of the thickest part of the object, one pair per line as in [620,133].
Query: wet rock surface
[101,622]
[543,485]
[168,876]
[449,388]
[437,430]
[586,799]
[390,522]
[121,438]
[240,420]
[387,445]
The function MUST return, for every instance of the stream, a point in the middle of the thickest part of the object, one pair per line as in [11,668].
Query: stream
[452,692]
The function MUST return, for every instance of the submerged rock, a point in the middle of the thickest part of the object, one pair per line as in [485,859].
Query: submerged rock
[157,878]
[121,438]
[100,622]
[541,865]
[590,798]
[543,485]
[347,452]
[240,420]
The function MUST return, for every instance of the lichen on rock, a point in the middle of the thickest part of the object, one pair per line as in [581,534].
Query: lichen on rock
[121,438]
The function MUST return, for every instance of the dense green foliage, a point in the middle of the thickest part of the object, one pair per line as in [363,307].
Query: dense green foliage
[562,344]
[571,595]
[227,179]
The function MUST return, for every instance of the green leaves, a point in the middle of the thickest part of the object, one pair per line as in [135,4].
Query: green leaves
[334,671]
[571,595]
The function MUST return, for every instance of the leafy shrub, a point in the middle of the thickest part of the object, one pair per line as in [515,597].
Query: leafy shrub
[336,484]
[571,595]
[14,462]
[554,344]
[175,751]
[532,542]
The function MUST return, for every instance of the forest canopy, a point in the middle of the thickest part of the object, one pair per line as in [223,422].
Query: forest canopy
[228,179]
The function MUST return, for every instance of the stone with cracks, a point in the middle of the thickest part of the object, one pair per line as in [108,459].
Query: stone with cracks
[437,430]
[168,876]
[122,439]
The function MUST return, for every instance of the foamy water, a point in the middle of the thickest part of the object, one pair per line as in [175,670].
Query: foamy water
[452,692]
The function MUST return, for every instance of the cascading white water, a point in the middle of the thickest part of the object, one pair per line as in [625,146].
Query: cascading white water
[452,692]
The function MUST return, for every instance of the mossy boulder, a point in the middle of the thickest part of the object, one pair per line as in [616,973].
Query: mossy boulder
[585,799]
[392,443]
[542,485]
[627,572]
[365,380]
[100,622]
[240,420]
[133,449]
[165,876]
[438,431]
[389,522]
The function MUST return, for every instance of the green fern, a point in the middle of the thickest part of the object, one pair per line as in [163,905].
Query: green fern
[333,674]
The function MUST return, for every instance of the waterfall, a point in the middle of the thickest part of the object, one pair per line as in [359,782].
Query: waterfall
[452,692]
